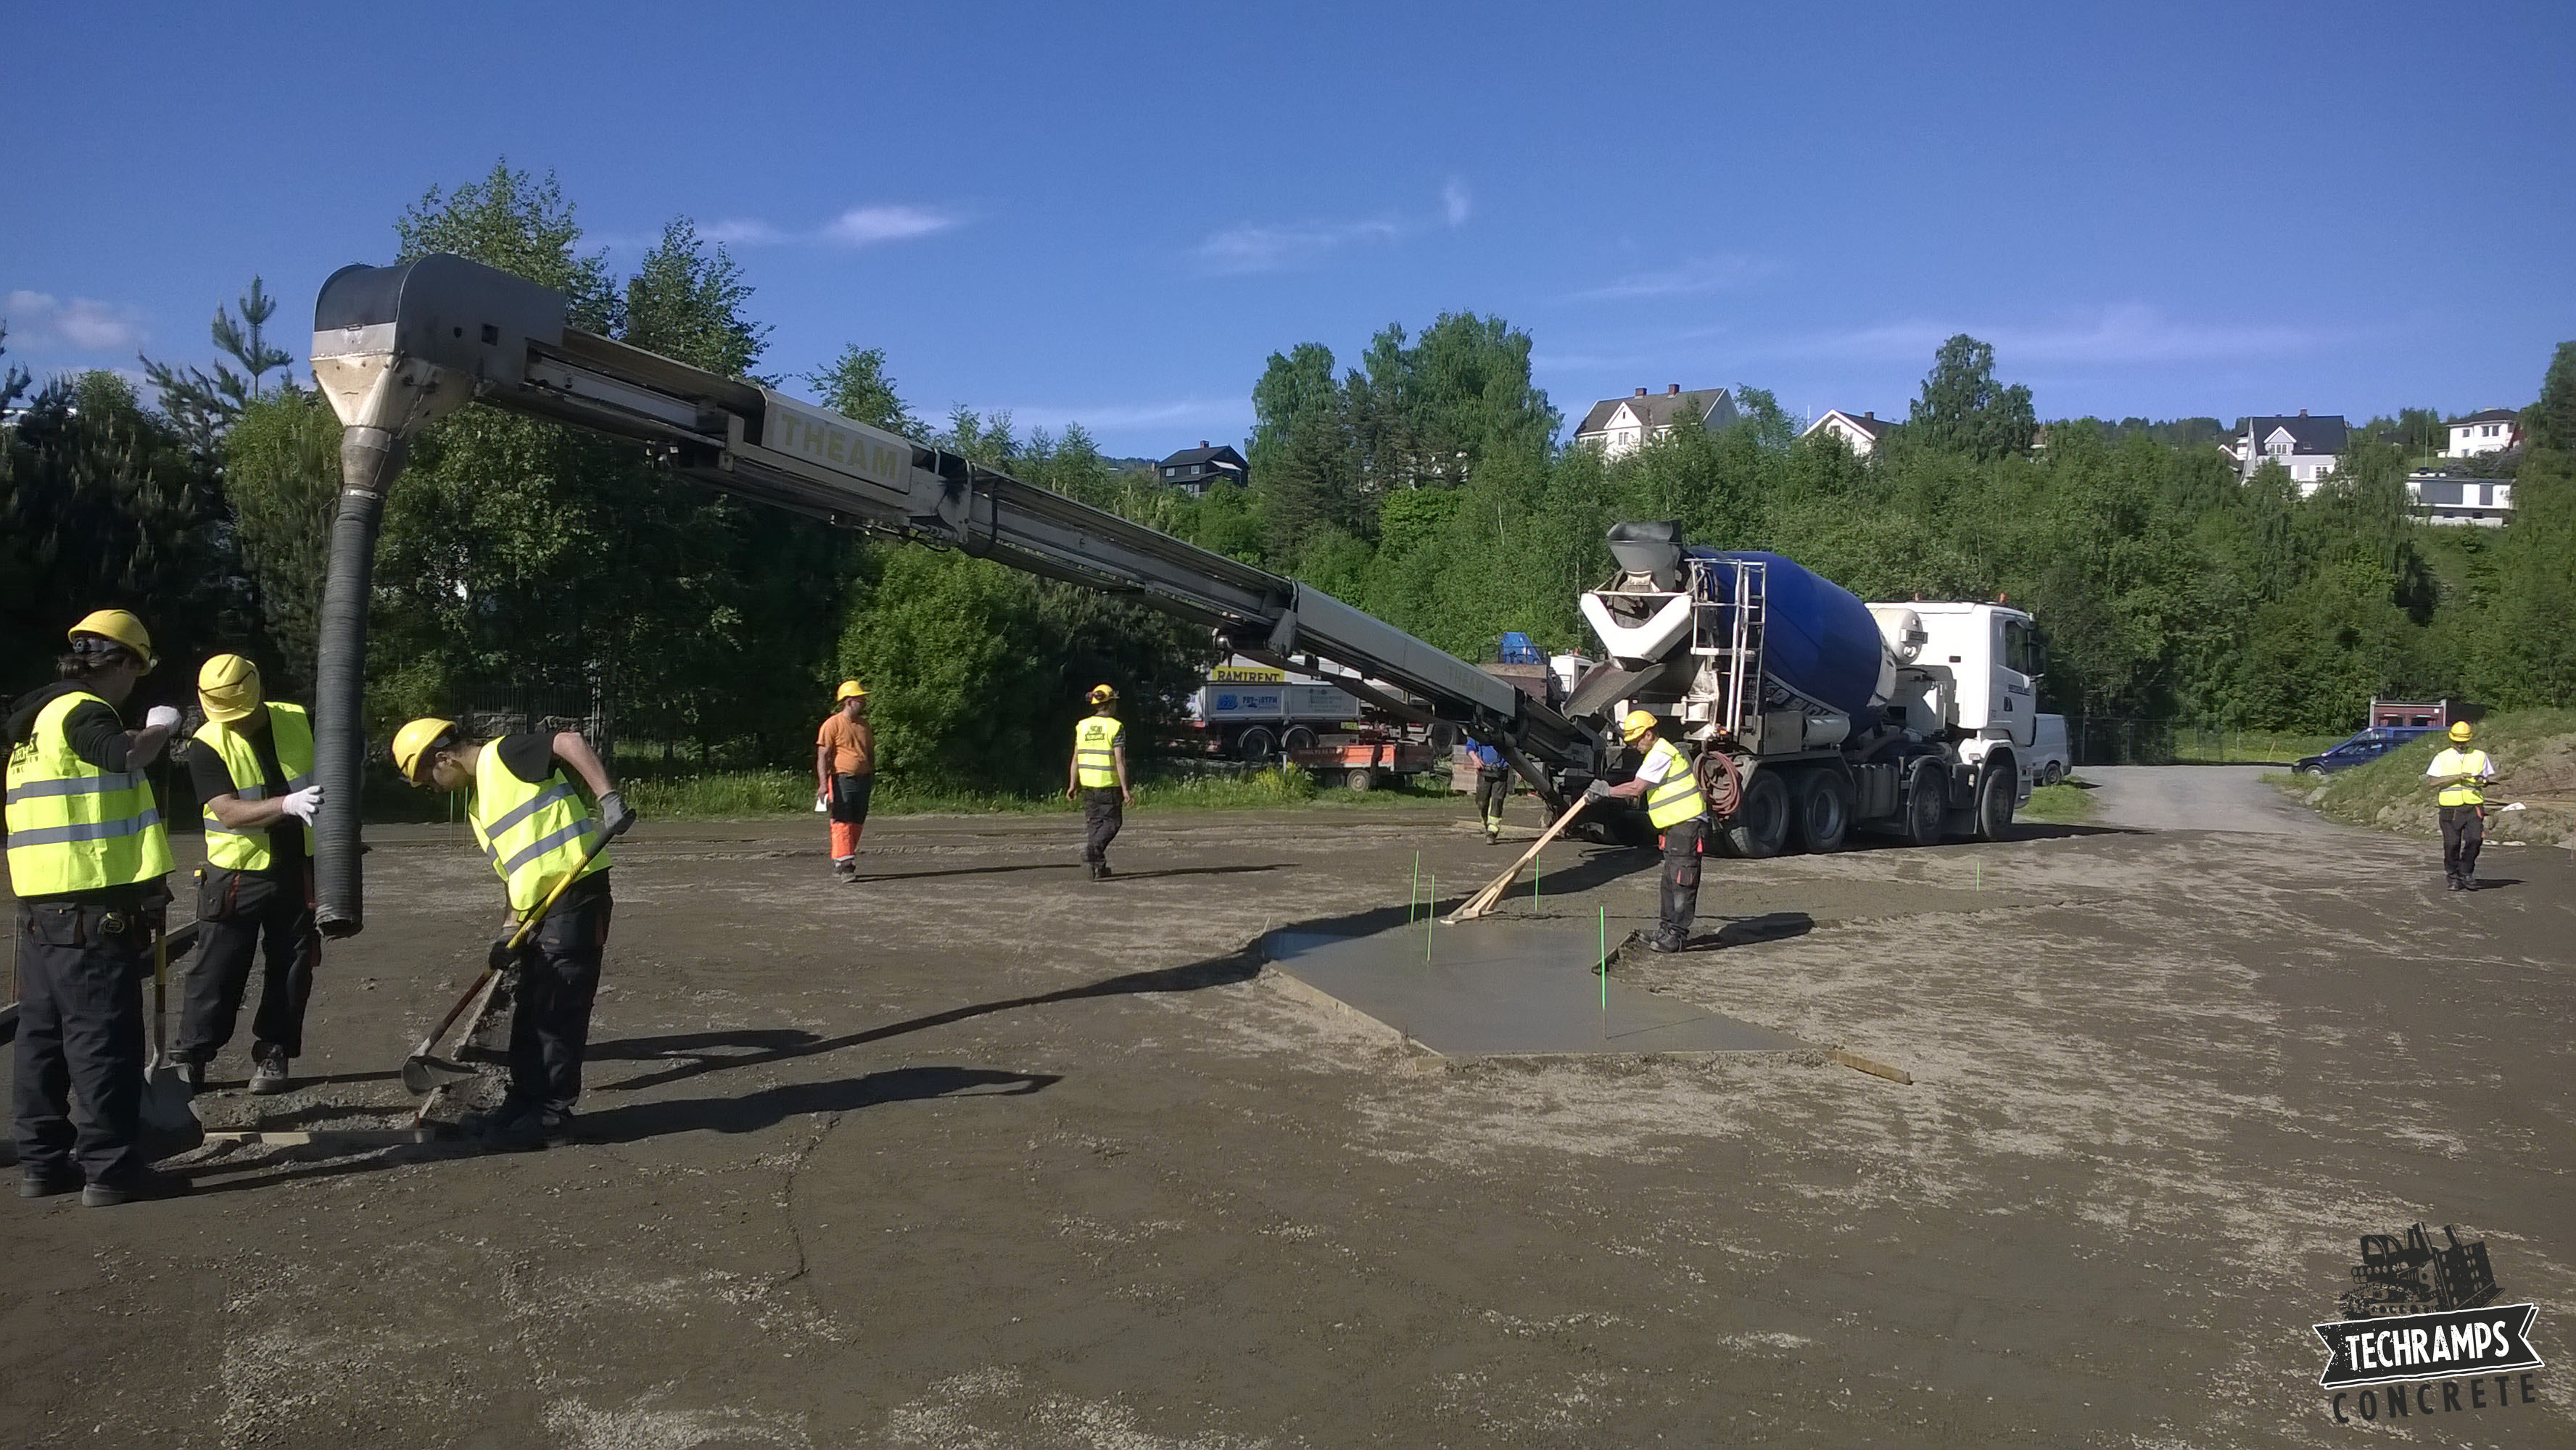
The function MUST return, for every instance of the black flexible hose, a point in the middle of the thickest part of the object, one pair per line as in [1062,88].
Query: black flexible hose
[369,460]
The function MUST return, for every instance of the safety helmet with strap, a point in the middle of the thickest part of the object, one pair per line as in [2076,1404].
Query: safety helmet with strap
[850,690]
[1102,695]
[2462,731]
[414,741]
[228,688]
[1635,723]
[117,627]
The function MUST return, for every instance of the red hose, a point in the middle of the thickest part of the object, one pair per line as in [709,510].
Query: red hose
[1719,782]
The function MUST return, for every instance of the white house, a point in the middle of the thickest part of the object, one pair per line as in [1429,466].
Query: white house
[2308,447]
[2492,431]
[1860,432]
[2442,498]
[1620,426]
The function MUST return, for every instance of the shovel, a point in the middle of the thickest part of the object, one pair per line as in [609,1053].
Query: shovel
[424,1074]
[169,1112]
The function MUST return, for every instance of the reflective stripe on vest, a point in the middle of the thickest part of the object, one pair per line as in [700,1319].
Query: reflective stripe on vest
[531,831]
[1095,752]
[73,826]
[290,730]
[2462,762]
[1675,798]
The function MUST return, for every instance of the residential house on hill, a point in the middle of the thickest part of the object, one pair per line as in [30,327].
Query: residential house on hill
[2443,498]
[2308,447]
[1192,469]
[1860,432]
[2492,431]
[1619,426]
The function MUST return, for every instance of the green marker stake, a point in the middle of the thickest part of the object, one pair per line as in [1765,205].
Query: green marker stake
[1415,900]
[1428,913]
[1605,973]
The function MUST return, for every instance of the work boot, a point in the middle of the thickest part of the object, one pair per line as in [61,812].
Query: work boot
[1099,870]
[1667,942]
[845,868]
[2468,883]
[146,1184]
[525,1130]
[46,1182]
[268,1070]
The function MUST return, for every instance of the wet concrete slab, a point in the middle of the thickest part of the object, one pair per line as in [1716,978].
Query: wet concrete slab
[1507,988]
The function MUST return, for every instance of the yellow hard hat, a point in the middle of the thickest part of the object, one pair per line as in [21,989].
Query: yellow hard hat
[118,627]
[415,740]
[228,688]
[850,690]
[1102,694]
[1636,723]
[2460,730]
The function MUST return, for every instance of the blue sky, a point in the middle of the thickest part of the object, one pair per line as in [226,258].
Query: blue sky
[1114,214]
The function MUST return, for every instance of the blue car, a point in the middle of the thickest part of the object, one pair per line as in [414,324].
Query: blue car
[2365,746]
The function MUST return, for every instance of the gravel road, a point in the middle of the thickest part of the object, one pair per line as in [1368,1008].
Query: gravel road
[2198,798]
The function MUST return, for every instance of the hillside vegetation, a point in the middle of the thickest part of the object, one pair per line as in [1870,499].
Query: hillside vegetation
[2535,758]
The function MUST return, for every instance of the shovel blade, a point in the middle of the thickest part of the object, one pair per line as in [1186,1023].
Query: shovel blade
[169,1113]
[423,1074]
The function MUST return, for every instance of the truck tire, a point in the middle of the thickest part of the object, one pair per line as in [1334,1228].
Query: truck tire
[1760,826]
[1926,804]
[1996,787]
[1820,811]
[1297,737]
[1361,778]
[1256,746]
[2054,773]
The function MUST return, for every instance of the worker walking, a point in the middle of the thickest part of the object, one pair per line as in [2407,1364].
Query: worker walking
[2461,772]
[531,821]
[1493,787]
[845,773]
[1675,806]
[1098,778]
[87,858]
[252,762]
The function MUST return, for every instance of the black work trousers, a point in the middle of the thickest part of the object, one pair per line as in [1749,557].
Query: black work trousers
[80,1039]
[558,978]
[1681,879]
[238,913]
[1102,815]
[2464,830]
[1493,792]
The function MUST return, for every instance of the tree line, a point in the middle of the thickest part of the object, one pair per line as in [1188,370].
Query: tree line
[527,565]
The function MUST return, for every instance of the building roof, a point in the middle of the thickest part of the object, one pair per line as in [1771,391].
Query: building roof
[2491,415]
[1711,406]
[1222,453]
[2325,433]
[1868,425]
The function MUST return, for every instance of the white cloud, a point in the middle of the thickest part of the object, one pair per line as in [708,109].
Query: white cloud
[742,233]
[1270,248]
[2126,333]
[862,225]
[1702,274]
[83,324]
[1455,203]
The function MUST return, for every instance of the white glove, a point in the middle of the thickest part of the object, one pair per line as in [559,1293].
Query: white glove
[301,804]
[160,717]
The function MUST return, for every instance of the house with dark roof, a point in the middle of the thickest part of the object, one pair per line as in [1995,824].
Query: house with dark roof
[1860,432]
[2308,447]
[1192,469]
[2492,431]
[1619,426]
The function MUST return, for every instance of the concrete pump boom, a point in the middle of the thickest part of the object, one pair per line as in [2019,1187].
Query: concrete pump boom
[395,348]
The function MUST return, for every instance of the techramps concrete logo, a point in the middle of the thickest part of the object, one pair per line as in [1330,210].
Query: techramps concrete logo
[2423,1335]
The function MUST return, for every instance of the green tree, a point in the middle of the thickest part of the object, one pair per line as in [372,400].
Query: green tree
[1962,409]
[201,405]
[2551,421]
[282,480]
[856,386]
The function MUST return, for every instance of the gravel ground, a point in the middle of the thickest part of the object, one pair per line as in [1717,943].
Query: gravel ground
[977,1153]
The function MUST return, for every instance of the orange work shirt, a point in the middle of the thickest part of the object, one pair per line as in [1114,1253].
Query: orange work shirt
[854,745]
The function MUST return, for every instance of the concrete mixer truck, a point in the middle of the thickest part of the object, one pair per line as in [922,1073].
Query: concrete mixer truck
[1828,714]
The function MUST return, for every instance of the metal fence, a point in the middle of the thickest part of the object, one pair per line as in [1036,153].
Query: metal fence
[2138,740]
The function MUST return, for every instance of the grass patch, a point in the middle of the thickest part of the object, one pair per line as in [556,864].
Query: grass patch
[2535,760]
[735,794]
[2063,804]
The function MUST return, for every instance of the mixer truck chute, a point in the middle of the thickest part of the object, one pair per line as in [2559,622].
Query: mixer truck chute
[1915,719]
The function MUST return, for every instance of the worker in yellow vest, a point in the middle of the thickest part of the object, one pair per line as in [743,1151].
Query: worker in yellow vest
[87,854]
[253,765]
[535,828]
[2459,775]
[1097,776]
[1669,784]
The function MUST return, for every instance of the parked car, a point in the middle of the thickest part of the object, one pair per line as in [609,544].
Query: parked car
[2364,746]
[2049,759]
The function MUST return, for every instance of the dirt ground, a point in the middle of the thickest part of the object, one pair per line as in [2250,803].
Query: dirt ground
[978,1153]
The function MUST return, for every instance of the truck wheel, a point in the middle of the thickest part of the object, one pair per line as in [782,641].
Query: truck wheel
[2053,774]
[1820,812]
[1256,746]
[1925,804]
[1996,788]
[1298,737]
[1361,778]
[1760,825]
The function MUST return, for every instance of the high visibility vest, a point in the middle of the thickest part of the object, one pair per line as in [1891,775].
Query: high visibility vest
[2461,762]
[291,731]
[73,826]
[531,831]
[1095,752]
[1675,798]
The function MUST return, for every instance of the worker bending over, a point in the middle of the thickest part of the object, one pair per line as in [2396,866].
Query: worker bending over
[87,854]
[253,765]
[1675,806]
[1098,778]
[534,825]
[2461,772]
[845,773]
